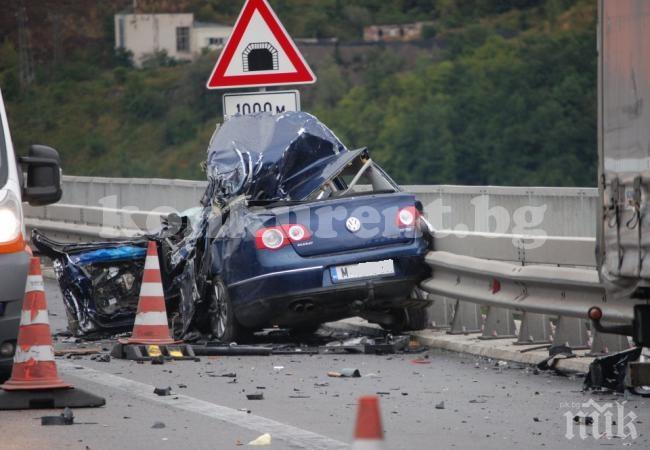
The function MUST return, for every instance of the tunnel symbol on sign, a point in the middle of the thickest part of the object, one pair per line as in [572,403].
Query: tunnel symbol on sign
[260,56]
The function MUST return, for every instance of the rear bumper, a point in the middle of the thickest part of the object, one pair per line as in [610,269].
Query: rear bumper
[13,275]
[308,294]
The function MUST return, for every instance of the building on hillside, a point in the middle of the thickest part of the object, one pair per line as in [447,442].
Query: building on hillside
[387,33]
[179,35]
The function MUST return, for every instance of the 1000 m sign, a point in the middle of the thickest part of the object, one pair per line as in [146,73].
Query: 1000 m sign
[274,102]
[248,108]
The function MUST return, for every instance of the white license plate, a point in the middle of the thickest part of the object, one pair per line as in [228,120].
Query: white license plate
[363,270]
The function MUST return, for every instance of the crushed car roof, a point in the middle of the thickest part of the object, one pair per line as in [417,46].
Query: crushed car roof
[273,157]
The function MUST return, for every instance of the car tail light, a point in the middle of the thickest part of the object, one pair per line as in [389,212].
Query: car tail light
[297,233]
[275,238]
[406,217]
[270,239]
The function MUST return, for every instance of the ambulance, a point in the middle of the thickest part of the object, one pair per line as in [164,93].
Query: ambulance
[35,179]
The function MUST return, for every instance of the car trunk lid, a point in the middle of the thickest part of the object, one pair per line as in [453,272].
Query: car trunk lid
[350,223]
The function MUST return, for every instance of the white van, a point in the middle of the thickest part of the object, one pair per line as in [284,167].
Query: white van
[42,187]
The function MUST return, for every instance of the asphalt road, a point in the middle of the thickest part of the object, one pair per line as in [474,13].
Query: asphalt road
[487,405]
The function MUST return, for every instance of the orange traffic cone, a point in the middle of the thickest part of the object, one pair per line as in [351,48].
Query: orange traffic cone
[368,434]
[150,326]
[34,366]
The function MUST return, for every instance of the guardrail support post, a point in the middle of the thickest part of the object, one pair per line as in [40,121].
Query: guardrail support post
[441,312]
[534,329]
[571,332]
[604,343]
[499,324]
[467,318]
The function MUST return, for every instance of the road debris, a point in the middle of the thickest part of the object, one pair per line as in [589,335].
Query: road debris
[389,344]
[420,361]
[163,392]
[264,439]
[609,372]
[583,420]
[556,354]
[104,357]
[345,373]
[76,351]
[65,418]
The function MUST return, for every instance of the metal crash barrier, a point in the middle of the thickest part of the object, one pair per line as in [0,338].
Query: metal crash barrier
[496,272]
[480,279]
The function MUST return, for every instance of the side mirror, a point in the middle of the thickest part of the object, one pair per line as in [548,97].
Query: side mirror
[43,167]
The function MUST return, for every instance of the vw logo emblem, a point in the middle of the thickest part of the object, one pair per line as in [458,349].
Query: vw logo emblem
[353,224]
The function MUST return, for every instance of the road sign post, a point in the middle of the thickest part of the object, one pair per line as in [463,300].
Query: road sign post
[260,54]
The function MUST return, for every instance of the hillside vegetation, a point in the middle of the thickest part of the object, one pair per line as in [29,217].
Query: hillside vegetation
[510,97]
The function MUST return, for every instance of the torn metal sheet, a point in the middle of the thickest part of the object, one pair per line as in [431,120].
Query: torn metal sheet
[268,157]
[609,372]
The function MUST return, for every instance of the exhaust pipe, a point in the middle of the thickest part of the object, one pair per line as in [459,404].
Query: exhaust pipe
[302,306]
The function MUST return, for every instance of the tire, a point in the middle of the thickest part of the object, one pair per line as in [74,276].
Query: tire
[407,319]
[399,321]
[223,324]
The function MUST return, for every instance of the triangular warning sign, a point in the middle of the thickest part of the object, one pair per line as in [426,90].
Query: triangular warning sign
[259,53]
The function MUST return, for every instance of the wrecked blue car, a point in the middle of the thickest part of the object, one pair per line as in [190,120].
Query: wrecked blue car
[294,230]
[100,282]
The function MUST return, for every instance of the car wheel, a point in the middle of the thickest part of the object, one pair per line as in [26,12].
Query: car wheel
[398,323]
[223,324]
[407,319]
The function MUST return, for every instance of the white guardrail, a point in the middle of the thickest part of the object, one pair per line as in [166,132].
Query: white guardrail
[536,244]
